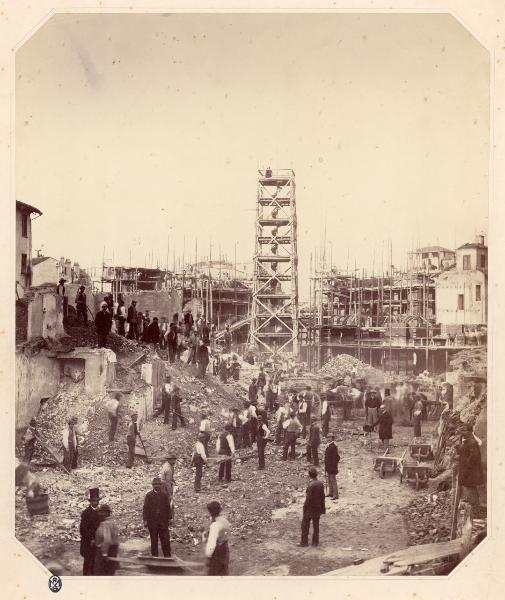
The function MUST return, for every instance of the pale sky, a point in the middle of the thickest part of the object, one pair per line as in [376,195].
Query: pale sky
[129,125]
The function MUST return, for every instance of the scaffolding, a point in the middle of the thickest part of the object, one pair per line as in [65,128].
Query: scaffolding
[274,311]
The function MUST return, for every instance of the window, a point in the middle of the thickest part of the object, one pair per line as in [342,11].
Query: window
[482,261]
[24,261]
[466,262]
[24,225]
[477,293]
[461,302]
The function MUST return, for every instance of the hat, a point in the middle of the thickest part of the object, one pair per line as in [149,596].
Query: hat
[62,280]
[134,415]
[103,304]
[156,480]
[82,287]
[94,493]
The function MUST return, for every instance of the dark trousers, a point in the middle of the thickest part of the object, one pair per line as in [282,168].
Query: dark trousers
[120,326]
[89,559]
[167,406]
[261,452]
[131,451]
[289,444]
[279,434]
[113,427]
[225,470]
[133,332]
[82,313]
[70,459]
[202,369]
[326,422]
[102,338]
[312,454]
[156,530]
[198,475]
[303,420]
[246,440]
[305,529]
[218,563]
[171,353]
[176,415]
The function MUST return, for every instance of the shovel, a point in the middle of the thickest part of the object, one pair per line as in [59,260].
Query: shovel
[147,459]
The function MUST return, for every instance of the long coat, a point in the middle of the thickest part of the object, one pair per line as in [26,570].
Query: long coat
[331,459]
[157,509]
[385,423]
[314,499]
[103,321]
[90,520]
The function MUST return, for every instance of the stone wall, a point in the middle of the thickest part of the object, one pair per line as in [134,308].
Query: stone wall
[45,316]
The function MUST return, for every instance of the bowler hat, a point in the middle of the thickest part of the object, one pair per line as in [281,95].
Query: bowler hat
[94,493]
[156,480]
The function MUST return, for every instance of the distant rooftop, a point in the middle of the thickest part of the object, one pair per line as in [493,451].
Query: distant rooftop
[39,259]
[435,249]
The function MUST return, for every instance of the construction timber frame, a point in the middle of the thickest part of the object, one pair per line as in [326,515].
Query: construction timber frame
[274,314]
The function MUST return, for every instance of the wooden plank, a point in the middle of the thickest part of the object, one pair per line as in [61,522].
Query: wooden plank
[50,450]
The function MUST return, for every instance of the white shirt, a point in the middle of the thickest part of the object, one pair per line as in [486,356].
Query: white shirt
[324,407]
[231,443]
[112,406]
[252,411]
[205,425]
[200,449]
[218,533]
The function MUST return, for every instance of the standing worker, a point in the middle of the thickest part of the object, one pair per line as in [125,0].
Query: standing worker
[90,520]
[131,438]
[314,442]
[202,359]
[121,318]
[227,340]
[385,423]
[325,415]
[106,543]
[70,444]
[331,460]
[176,408]
[153,334]
[261,434]
[205,430]
[313,508]
[216,549]
[103,324]
[81,306]
[225,447]
[223,371]
[171,339]
[112,412]
[261,380]
[133,320]
[168,485]
[198,459]
[157,516]
[292,429]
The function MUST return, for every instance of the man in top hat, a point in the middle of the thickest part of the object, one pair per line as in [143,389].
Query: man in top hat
[168,484]
[157,515]
[90,520]
[385,423]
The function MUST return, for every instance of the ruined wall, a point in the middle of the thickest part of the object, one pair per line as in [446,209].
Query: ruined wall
[36,377]
[45,316]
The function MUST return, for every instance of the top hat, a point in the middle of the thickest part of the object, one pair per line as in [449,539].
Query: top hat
[94,493]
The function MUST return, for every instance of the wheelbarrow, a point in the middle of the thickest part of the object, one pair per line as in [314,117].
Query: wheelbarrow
[421,451]
[387,464]
[415,473]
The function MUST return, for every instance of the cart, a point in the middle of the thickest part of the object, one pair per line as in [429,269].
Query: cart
[421,451]
[415,473]
[387,464]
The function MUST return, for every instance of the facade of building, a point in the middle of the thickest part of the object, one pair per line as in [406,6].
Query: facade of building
[431,259]
[461,292]
[45,269]
[24,246]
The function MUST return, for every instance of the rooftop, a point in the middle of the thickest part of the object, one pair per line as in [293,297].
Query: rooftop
[27,208]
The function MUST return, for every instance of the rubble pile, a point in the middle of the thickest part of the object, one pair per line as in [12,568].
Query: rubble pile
[470,360]
[345,364]
[86,336]
[428,518]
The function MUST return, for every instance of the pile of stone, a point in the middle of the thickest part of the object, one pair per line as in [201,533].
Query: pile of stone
[344,364]
[428,518]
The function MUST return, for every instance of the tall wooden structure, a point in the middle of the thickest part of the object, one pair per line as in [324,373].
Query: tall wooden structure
[274,314]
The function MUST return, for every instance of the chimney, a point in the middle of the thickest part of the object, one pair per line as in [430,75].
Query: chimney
[480,240]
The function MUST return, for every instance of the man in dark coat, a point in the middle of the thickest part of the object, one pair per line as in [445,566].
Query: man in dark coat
[202,358]
[132,320]
[171,339]
[153,334]
[470,468]
[157,515]
[313,442]
[253,391]
[385,423]
[331,460]
[90,520]
[103,324]
[313,508]
[80,305]
[176,408]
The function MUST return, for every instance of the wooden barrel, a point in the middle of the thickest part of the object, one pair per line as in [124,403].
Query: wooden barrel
[38,505]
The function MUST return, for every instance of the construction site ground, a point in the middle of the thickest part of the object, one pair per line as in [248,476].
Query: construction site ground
[264,507]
